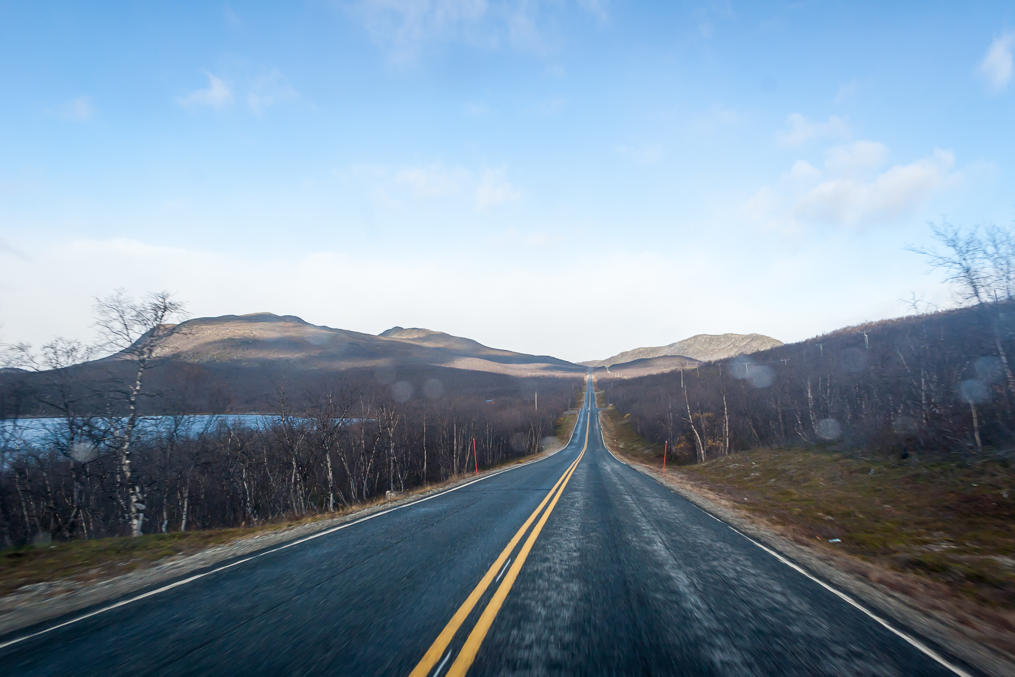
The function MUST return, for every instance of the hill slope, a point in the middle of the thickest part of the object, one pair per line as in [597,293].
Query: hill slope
[246,339]
[239,362]
[700,348]
[647,366]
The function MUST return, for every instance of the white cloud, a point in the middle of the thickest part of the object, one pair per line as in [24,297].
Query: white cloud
[846,91]
[716,120]
[443,187]
[803,171]
[494,190]
[646,154]
[799,130]
[712,13]
[555,105]
[7,248]
[996,67]
[77,110]
[405,27]
[597,8]
[433,181]
[858,157]
[269,89]
[216,95]
[852,191]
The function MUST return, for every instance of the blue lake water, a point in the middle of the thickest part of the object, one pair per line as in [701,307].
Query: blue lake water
[38,431]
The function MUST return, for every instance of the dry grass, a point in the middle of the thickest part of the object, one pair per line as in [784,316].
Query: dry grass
[950,522]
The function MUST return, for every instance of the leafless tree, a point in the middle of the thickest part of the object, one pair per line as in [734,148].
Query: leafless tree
[136,328]
[980,263]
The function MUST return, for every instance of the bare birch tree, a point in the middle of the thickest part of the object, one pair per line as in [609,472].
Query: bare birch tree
[136,328]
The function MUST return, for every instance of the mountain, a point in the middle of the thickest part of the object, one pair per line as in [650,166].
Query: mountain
[260,337]
[239,362]
[648,365]
[698,348]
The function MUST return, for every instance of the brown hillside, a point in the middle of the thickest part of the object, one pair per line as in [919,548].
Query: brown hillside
[698,348]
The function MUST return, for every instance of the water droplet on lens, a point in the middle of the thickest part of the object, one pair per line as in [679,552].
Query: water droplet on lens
[385,374]
[989,369]
[433,389]
[974,391]
[740,367]
[828,429]
[904,425]
[761,376]
[402,391]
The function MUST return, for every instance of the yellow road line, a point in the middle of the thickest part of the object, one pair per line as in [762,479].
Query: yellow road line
[436,650]
[471,647]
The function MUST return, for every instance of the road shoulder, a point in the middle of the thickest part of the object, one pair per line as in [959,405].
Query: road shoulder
[866,583]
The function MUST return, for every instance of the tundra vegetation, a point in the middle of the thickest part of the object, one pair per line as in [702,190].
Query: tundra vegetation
[333,443]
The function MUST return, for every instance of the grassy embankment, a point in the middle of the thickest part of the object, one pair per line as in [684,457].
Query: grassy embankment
[102,558]
[949,521]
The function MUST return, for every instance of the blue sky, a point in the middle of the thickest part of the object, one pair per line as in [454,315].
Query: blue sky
[569,177]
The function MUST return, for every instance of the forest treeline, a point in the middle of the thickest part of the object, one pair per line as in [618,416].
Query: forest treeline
[939,382]
[333,449]
[102,469]
[930,383]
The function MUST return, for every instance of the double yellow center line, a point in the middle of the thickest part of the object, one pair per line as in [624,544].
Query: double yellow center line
[468,652]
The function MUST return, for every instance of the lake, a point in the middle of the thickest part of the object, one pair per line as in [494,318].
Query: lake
[36,431]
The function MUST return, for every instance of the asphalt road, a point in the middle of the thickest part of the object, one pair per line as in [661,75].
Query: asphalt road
[572,564]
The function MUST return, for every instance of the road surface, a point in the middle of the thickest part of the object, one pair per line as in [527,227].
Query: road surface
[572,564]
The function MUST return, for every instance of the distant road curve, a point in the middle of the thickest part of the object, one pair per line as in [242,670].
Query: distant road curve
[572,564]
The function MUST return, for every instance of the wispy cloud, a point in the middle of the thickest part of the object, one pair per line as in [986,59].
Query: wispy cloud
[799,130]
[996,67]
[494,190]
[644,154]
[896,191]
[476,108]
[554,105]
[77,110]
[597,8]
[712,13]
[436,184]
[9,249]
[217,95]
[432,181]
[717,119]
[269,89]
[855,158]
[846,91]
[404,27]
[854,189]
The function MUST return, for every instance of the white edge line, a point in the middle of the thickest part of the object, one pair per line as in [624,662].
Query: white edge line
[319,534]
[912,641]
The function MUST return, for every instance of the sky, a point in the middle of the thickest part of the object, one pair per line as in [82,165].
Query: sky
[568,177]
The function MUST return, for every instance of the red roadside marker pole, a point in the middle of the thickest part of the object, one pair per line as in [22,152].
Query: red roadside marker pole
[474,459]
[665,447]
